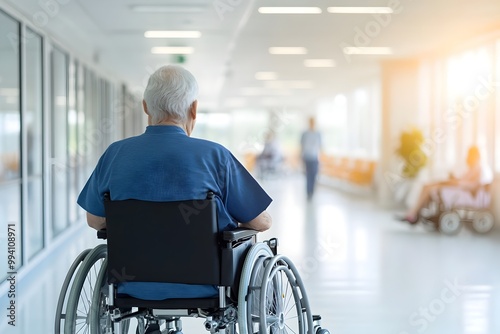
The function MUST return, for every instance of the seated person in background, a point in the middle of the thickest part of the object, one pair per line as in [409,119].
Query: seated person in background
[475,176]
[270,157]
[166,164]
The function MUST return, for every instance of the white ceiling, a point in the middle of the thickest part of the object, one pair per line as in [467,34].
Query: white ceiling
[234,46]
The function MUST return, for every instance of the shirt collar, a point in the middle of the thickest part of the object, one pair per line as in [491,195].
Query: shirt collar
[165,129]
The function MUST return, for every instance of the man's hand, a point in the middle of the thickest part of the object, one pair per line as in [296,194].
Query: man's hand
[96,222]
[260,223]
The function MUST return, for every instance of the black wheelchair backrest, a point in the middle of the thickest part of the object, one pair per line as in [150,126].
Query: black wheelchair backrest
[176,242]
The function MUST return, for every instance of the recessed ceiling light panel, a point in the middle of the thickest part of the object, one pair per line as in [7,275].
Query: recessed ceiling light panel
[290,10]
[172,34]
[353,50]
[289,84]
[360,10]
[288,50]
[319,63]
[266,76]
[172,50]
[167,9]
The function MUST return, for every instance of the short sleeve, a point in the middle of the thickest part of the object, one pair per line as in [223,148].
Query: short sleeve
[91,198]
[243,196]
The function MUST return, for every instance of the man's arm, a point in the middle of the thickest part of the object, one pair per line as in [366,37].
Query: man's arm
[260,223]
[95,221]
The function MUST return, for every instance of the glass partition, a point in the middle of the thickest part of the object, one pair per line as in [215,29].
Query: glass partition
[33,125]
[59,137]
[10,139]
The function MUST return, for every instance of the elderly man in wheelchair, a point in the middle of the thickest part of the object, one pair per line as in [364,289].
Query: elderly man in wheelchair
[180,216]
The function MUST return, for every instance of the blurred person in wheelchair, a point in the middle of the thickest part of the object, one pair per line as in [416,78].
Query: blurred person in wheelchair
[271,158]
[476,175]
[166,164]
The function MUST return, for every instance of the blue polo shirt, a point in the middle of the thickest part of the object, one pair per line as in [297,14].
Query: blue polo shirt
[164,164]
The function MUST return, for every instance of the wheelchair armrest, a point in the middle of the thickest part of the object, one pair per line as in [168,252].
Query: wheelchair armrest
[238,234]
[102,234]
[235,245]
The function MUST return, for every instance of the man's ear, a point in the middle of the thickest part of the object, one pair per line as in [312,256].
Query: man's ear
[193,108]
[145,107]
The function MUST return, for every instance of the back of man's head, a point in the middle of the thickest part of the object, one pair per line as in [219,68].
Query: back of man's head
[170,92]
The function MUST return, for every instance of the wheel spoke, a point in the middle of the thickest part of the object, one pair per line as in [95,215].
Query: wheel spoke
[294,305]
[290,329]
[83,298]
[294,317]
[89,280]
[85,328]
[271,320]
[290,297]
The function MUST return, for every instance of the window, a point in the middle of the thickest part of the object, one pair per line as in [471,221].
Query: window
[32,127]
[91,133]
[73,153]
[497,111]
[468,119]
[332,122]
[10,135]
[59,137]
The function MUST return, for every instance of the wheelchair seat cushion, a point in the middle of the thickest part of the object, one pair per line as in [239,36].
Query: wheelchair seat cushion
[160,291]
[125,301]
[455,197]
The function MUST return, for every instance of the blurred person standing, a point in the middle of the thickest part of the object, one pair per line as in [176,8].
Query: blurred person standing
[310,144]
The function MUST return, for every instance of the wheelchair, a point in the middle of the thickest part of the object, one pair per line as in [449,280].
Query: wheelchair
[451,207]
[259,291]
[269,166]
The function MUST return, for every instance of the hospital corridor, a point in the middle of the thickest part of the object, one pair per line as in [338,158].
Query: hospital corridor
[153,152]
[360,273]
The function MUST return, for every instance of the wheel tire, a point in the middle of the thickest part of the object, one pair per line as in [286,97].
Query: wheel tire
[61,305]
[281,284]
[450,223]
[253,298]
[99,317]
[257,251]
[77,318]
[275,303]
[483,222]
[322,331]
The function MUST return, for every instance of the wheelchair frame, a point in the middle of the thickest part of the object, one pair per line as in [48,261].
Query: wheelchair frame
[449,218]
[259,291]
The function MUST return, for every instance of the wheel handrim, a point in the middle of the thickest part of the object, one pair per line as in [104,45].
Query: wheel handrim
[85,302]
[283,310]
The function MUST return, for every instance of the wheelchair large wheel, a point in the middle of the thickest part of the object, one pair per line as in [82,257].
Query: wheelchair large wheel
[253,303]
[483,221]
[62,301]
[450,223]
[100,317]
[245,313]
[284,304]
[80,297]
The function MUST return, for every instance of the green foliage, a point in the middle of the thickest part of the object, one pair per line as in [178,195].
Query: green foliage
[410,150]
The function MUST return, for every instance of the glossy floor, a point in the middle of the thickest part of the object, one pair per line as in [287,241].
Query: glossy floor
[364,272]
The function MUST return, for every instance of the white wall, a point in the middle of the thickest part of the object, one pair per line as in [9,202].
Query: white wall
[399,88]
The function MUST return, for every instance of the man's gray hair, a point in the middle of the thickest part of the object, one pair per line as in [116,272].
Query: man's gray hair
[169,94]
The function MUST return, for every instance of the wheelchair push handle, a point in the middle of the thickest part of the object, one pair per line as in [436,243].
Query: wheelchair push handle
[273,244]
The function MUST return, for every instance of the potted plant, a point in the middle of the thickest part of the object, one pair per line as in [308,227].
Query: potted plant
[410,150]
